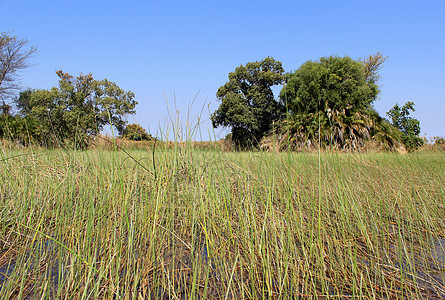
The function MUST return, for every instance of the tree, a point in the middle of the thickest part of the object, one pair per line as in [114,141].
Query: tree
[409,126]
[328,102]
[78,109]
[136,132]
[247,101]
[14,56]
[373,64]
[16,128]
[333,83]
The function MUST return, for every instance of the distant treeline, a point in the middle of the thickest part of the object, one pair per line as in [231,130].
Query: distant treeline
[327,103]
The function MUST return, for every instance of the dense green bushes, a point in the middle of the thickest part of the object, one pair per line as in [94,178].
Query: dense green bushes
[136,132]
[409,126]
[325,103]
[69,115]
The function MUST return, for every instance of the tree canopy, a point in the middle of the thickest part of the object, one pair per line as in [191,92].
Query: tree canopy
[329,99]
[78,109]
[136,132]
[327,102]
[247,101]
[331,83]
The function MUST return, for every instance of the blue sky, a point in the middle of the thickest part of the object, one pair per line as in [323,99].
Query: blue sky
[168,51]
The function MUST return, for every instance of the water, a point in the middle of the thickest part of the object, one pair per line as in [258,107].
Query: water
[40,262]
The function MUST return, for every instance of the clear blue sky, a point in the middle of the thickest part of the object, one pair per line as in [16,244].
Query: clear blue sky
[167,50]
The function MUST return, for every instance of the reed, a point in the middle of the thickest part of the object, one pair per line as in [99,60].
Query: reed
[179,222]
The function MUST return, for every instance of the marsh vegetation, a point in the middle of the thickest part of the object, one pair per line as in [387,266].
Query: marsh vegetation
[195,224]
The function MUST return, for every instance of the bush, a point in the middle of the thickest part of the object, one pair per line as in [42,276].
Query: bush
[135,132]
[409,126]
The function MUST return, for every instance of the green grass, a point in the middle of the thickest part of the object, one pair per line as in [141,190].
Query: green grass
[215,225]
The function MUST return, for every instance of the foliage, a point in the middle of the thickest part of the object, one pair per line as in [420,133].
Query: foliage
[5,109]
[247,101]
[329,99]
[136,132]
[338,132]
[437,143]
[373,64]
[14,56]
[439,140]
[78,109]
[384,134]
[22,130]
[409,126]
[335,83]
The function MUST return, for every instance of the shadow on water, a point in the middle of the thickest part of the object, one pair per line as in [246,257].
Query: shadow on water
[434,278]
[425,268]
[40,264]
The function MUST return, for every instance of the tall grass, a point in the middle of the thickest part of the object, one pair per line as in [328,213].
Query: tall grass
[220,225]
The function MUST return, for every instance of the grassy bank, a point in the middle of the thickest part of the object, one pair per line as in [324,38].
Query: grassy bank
[198,224]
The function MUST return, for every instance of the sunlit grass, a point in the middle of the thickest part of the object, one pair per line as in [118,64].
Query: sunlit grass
[209,224]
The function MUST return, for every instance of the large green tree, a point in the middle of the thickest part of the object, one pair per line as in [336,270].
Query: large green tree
[331,83]
[328,101]
[247,104]
[78,109]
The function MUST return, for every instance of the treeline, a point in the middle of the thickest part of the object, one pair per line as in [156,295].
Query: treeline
[325,103]
[69,115]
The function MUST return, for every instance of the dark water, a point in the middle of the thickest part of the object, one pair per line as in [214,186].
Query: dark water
[429,275]
[42,257]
